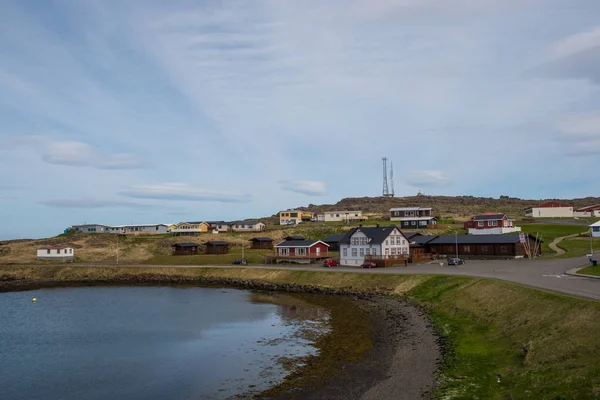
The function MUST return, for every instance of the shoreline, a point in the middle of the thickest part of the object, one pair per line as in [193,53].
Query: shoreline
[401,364]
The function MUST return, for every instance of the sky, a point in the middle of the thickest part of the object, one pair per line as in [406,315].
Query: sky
[148,111]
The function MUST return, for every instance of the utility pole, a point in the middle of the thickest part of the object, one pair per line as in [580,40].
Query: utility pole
[117,248]
[456,241]
[591,243]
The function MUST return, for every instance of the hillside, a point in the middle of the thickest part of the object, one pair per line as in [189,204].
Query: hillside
[459,207]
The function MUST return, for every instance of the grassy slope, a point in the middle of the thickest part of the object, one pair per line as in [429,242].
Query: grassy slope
[579,246]
[550,232]
[544,346]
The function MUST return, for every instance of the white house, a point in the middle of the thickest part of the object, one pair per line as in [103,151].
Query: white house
[384,241]
[595,229]
[491,224]
[341,216]
[90,228]
[588,212]
[550,209]
[56,253]
[413,217]
[140,229]
[248,226]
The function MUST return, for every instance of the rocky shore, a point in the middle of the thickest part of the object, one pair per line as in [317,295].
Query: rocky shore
[401,364]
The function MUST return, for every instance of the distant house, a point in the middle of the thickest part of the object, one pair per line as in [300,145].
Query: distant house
[491,223]
[185,249]
[294,237]
[341,216]
[511,245]
[90,228]
[301,251]
[217,247]
[262,243]
[334,241]
[218,226]
[190,228]
[171,227]
[56,253]
[411,235]
[384,241]
[588,212]
[550,209]
[294,217]
[141,229]
[595,229]
[248,226]
[413,217]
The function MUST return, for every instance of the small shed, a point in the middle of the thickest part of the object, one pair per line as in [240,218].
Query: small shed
[217,247]
[262,243]
[334,241]
[185,249]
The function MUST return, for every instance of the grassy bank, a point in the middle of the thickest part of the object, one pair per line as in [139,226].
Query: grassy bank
[549,232]
[590,271]
[544,346]
[578,246]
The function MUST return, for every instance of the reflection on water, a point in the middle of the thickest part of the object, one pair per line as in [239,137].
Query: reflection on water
[150,342]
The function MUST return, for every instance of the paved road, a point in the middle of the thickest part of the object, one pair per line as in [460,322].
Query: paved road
[547,274]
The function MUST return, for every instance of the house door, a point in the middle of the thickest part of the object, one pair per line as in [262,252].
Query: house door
[318,251]
[387,252]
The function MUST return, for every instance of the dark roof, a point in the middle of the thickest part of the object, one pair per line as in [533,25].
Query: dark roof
[261,239]
[420,240]
[187,244]
[217,222]
[294,237]
[478,239]
[245,223]
[377,235]
[297,243]
[488,217]
[410,235]
[218,243]
[334,238]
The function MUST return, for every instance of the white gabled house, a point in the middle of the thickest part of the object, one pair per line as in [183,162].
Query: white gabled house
[56,253]
[382,241]
[595,228]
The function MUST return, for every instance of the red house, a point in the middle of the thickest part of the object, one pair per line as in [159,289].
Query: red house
[301,251]
[491,223]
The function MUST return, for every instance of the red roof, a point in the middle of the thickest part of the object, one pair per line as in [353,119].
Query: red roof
[54,248]
[551,204]
[589,208]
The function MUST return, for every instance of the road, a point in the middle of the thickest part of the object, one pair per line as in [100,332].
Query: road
[546,274]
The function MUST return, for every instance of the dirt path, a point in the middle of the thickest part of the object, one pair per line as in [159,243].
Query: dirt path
[554,245]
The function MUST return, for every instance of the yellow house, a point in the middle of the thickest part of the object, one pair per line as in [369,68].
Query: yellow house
[293,217]
[171,227]
[190,228]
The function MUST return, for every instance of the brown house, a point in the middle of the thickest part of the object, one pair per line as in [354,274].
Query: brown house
[483,246]
[262,243]
[185,249]
[217,247]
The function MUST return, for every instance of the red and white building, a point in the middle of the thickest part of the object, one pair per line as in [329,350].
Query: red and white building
[56,253]
[550,209]
[590,211]
[301,251]
[491,223]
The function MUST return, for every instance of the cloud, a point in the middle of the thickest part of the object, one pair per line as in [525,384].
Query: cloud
[92,203]
[182,191]
[427,178]
[309,188]
[579,135]
[78,154]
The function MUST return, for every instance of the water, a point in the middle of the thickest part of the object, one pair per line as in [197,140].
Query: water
[147,342]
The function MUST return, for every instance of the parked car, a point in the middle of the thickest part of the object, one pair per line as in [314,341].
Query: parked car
[369,264]
[243,261]
[330,263]
[455,261]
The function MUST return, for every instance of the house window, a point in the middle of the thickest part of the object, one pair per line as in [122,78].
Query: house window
[362,252]
[504,249]
[493,223]
[387,243]
[373,251]
[284,251]
[596,228]
[480,223]
[393,251]
[413,222]
[71,251]
[354,253]
[403,242]
[345,252]
[57,251]
[337,215]
[301,252]
[484,249]
[48,251]
[466,249]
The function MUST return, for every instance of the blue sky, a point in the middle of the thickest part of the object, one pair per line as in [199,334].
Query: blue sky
[149,111]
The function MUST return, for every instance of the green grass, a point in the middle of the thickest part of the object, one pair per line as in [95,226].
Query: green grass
[579,246]
[549,232]
[254,256]
[590,271]
[544,346]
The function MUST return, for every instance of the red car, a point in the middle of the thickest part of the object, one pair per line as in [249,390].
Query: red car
[369,264]
[330,263]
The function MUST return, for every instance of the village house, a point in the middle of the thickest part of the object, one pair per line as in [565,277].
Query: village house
[218,226]
[301,251]
[588,212]
[413,217]
[550,209]
[190,228]
[294,217]
[595,228]
[381,241]
[248,226]
[334,241]
[262,243]
[142,229]
[491,224]
[90,228]
[185,249]
[341,216]
[56,253]
[510,245]
[216,247]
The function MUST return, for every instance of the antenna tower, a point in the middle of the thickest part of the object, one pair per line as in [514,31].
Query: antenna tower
[386,191]
[392,177]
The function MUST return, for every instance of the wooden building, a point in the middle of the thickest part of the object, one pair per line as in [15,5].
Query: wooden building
[217,247]
[299,251]
[262,243]
[484,246]
[185,249]
[334,241]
